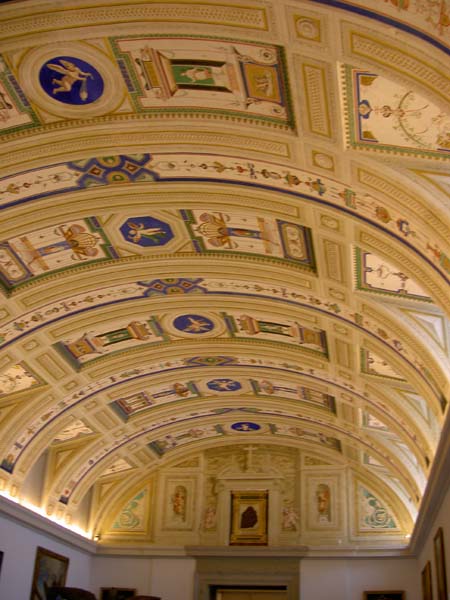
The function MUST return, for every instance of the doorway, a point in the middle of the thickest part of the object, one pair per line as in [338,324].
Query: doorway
[240,592]
[232,576]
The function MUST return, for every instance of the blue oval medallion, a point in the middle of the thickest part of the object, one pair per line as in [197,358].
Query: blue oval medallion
[224,385]
[71,80]
[194,324]
[245,426]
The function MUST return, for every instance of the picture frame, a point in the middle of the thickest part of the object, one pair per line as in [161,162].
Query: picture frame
[385,595]
[113,593]
[427,587]
[50,569]
[249,515]
[1,560]
[439,557]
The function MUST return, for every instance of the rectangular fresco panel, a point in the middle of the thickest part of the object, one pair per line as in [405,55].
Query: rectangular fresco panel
[129,406]
[388,115]
[248,233]
[286,389]
[120,336]
[55,248]
[17,378]
[163,445]
[15,111]
[195,74]
[377,275]
[373,364]
[307,436]
[284,330]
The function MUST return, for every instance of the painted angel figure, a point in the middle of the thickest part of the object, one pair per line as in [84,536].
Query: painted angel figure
[209,518]
[139,231]
[70,74]
[289,518]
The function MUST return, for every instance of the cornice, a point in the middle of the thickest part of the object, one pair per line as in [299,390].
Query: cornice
[25,517]
[437,487]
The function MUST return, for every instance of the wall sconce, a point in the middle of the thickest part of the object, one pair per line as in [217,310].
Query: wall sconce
[97,537]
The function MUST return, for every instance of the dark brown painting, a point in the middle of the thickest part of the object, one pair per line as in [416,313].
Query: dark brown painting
[427,588]
[439,556]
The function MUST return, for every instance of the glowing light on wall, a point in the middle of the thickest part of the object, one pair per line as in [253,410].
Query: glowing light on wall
[41,512]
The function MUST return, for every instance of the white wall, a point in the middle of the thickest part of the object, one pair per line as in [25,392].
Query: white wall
[120,571]
[427,553]
[19,544]
[320,579]
[323,579]
[173,578]
[169,578]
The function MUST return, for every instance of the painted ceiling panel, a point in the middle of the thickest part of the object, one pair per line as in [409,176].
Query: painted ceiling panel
[221,266]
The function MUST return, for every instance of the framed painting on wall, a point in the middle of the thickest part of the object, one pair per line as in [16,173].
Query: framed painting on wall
[427,588]
[1,560]
[384,595]
[50,569]
[117,593]
[439,557]
[249,512]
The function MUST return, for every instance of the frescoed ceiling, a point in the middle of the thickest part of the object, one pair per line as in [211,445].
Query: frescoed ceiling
[224,262]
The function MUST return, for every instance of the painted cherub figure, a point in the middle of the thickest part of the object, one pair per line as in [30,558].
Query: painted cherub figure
[70,74]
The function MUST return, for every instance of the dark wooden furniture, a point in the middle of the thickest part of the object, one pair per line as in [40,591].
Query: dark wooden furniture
[69,593]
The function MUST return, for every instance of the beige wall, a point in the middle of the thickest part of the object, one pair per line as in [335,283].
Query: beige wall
[427,553]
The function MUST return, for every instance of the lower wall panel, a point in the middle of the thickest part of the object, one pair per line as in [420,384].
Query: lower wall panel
[174,578]
[19,544]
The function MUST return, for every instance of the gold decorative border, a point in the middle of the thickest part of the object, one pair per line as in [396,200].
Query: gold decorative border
[251,530]
[64,17]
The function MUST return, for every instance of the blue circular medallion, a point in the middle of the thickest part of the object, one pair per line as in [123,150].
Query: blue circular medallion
[146,231]
[194,324]
[224,385]
[245,426]
[71,80]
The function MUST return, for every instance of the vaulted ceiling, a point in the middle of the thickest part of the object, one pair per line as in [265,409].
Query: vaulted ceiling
[224,264]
